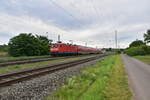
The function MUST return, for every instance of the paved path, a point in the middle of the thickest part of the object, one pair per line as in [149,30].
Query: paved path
[139,77]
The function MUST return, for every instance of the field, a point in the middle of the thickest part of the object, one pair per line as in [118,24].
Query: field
[145,59]
[106,80]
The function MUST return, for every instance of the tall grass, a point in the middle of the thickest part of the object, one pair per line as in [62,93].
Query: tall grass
[117,85]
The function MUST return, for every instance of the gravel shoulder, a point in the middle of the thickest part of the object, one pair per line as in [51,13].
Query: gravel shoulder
[139,77]
[41,87]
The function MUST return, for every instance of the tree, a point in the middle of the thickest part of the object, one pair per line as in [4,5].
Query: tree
[43,44]
[147,36]
[136,43]
[28,45]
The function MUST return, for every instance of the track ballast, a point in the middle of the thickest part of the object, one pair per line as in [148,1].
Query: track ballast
[15,77]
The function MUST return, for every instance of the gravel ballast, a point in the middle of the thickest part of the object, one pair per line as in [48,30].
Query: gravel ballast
[41,87]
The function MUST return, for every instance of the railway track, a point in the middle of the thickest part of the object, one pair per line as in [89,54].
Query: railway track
[24,61]
[3,56]
[15,77]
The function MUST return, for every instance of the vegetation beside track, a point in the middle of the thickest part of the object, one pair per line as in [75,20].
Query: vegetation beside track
[139,47]
[145,59]
[3,54]
[21,58]
[140,50]
[38,64]
[106,80]
[3,50]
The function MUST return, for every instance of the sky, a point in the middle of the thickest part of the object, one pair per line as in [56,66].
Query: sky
[91,22]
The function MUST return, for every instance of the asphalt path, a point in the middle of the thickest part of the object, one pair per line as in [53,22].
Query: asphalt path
[139,77]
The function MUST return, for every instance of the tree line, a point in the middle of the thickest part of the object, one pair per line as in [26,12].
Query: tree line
[139,47]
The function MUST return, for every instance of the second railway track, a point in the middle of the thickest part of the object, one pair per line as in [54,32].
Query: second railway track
[24,61]
[14,77]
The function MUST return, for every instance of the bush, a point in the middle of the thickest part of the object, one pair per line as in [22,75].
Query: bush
[137,43]
[28,45]
[134,51]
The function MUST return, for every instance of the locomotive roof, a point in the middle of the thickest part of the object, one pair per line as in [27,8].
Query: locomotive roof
[72,45]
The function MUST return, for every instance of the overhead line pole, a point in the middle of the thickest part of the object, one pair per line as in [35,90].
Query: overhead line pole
[116,39]
[58,38]
[47,34]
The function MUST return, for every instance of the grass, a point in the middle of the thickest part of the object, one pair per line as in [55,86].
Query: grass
[145,59]
[31,65]
[118,83]
[3,53]
[19,58]
[106,80]
[9,58]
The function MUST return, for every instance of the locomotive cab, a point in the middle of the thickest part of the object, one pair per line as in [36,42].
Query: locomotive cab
[62,49]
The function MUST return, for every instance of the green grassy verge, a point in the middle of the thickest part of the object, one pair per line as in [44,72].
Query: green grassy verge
[22,57]
[19,58]
[3,53]
[104,81]
[44,63]
[145,59]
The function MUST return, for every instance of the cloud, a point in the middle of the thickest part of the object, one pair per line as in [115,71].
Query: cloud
[91,21]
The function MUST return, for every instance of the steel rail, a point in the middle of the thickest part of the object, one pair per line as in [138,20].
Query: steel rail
[1,61]
[19,76]
[4,64]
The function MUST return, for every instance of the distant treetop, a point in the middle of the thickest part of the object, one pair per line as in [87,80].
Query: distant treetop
[28,45]
[137,43]
[147,36]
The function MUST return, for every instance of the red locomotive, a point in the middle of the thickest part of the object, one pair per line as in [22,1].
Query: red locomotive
[62,49]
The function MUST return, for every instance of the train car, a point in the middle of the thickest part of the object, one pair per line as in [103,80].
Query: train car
[62,49]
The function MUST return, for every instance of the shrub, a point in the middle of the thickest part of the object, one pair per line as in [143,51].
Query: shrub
[137,43]
[28,45]
[141,50]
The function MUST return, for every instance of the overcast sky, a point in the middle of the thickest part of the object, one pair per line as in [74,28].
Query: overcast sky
[91,21]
